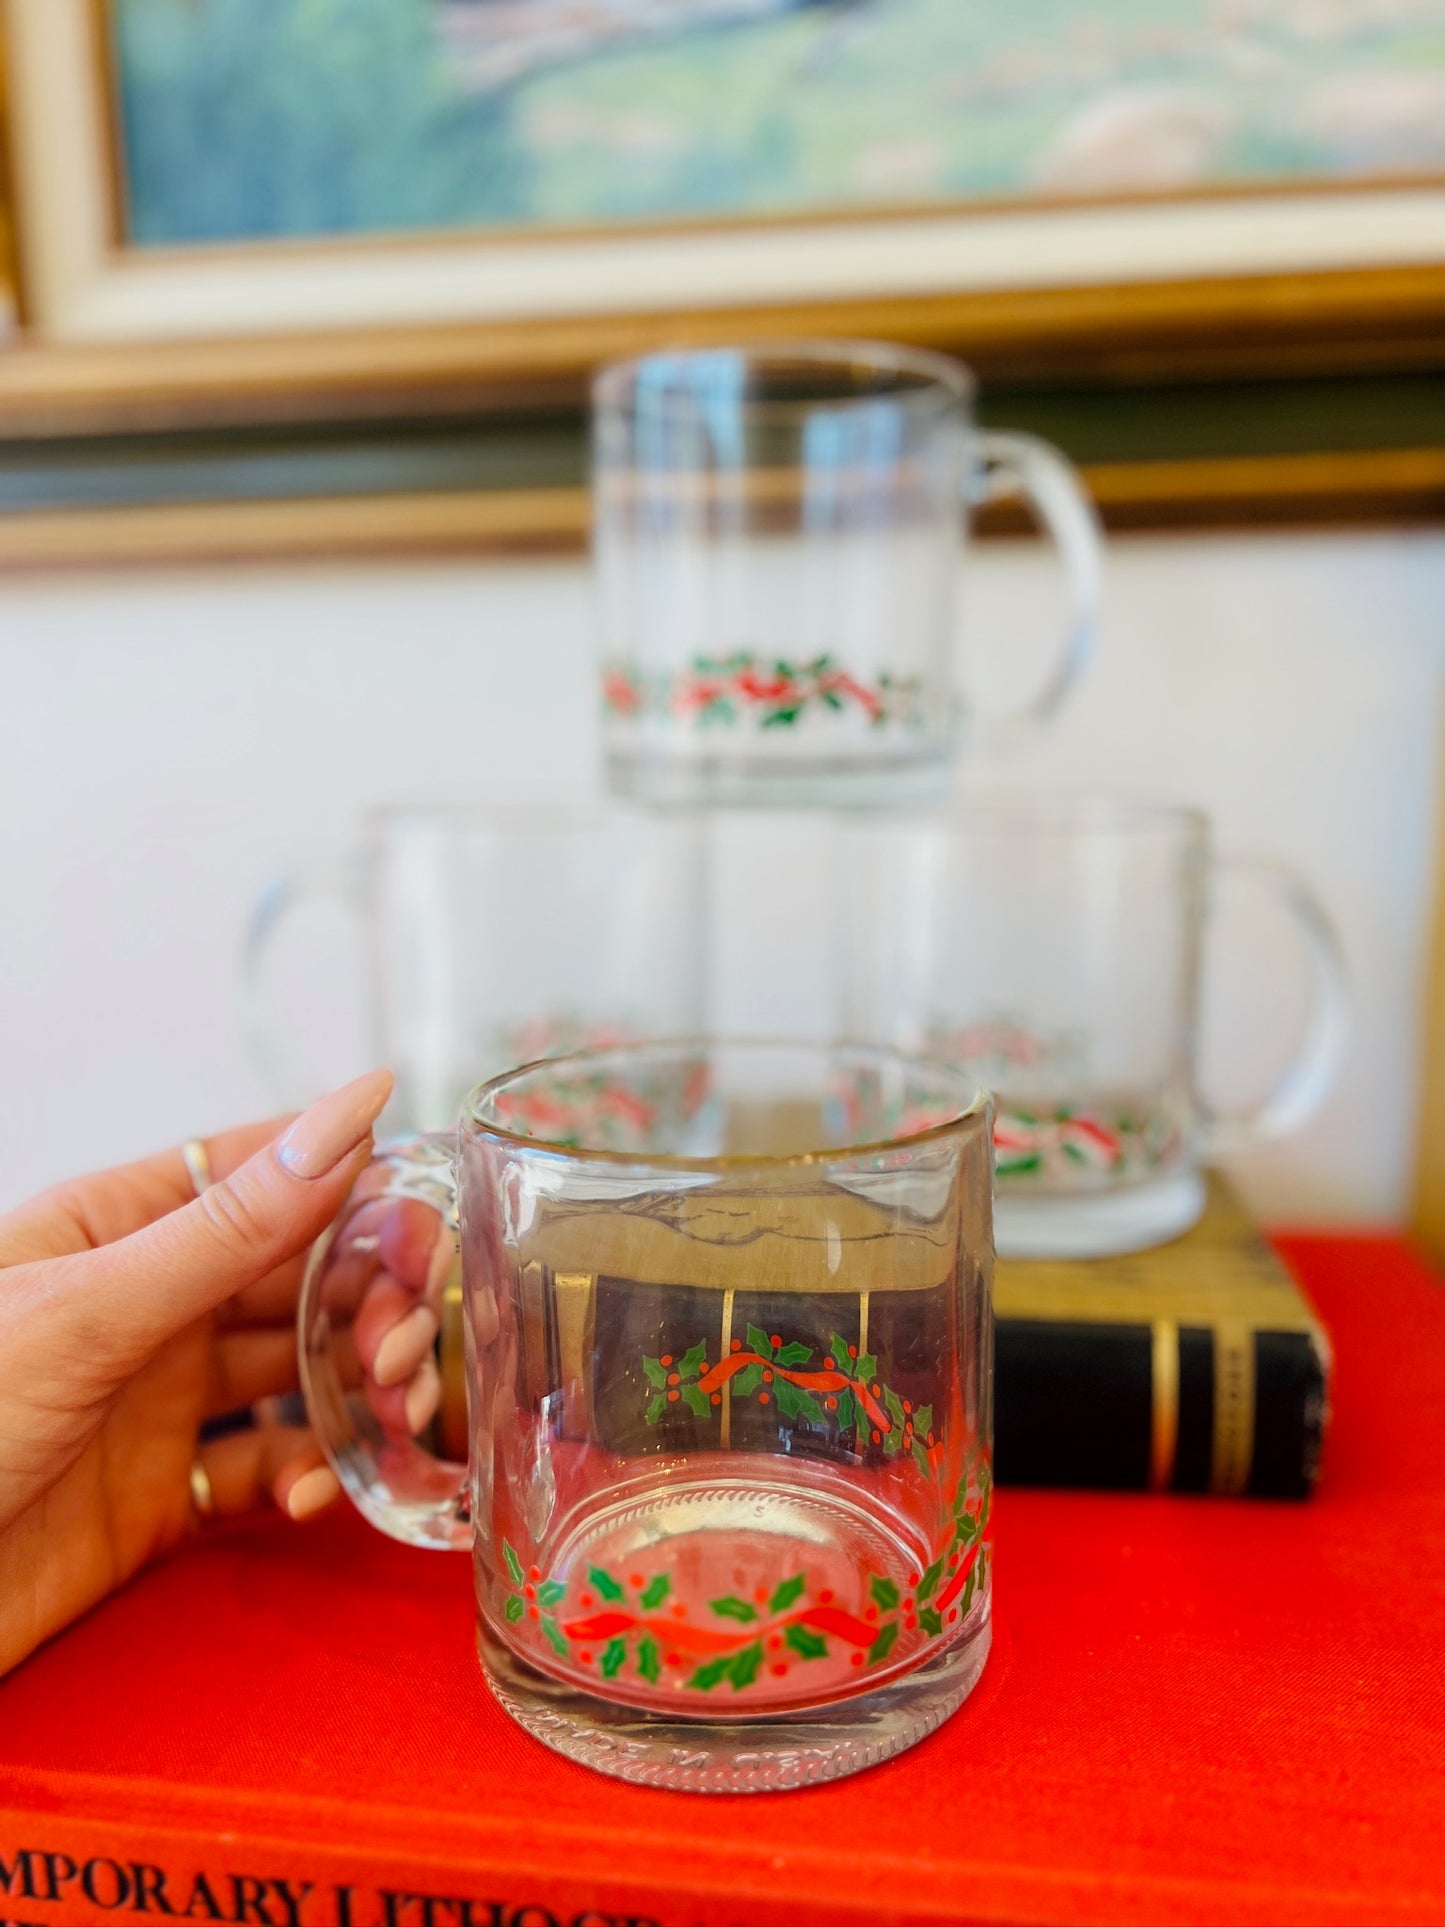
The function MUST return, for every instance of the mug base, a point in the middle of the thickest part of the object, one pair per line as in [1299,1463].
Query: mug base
[1098,1224]
[908,779]
[757,1756]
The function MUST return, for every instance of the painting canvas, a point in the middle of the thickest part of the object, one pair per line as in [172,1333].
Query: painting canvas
[263,119]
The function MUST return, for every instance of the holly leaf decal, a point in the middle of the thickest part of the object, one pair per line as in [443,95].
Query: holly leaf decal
[794,1354]
[732,1607]
[743,1667]
[785,1593]
[867,1367]
[513,1609]
[694,1360]
[656,1590]
[809,1645]
[920,1458]
[759,1342]
[838,1352]
[929,1581]
[883,1644]
[696,1400]
[554,1634]
[846,1413]
[930,1621]
[706,1677]
[605,1583]
[613,1655]
[656,1375]
[514,1564]
[885,1593]
[649,1659]
[748,1380]
[551,1593]
[656,1406]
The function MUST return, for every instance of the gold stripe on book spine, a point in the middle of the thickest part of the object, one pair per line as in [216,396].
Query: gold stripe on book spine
[1233,1406]
[1164,1387]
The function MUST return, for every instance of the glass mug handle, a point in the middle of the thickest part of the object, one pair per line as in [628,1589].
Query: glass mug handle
[395,1237]
[1302,1086]
[1024,468]
[338,878]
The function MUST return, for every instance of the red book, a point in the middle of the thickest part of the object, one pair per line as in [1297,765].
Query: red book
[1194,1711]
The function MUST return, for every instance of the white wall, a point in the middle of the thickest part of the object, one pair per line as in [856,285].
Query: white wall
[168,740]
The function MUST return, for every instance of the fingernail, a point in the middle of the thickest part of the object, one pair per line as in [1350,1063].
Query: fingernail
[423,1397]
[321,1137]
[313,1492]
[405,1346]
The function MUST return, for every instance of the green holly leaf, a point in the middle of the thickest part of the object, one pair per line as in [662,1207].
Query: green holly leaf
[808,1644]
[613,1654]
[748,1380]
[656,1590]
[733,1608]
[966,1597]
[706,1677]
[649,1659]
[605,1583]
[790,1399]
[786,1593]
[920,1458]
[795,1403]
[892,1443]
[895,1406]
[838,1352]
[883,1644]
[743,1668]
[759,1342]
[552,1593]
[694,1360]
[884,1592]
[929,1581]
[555,1638]
[794,1354]
[846,1413]
[785,717]
[656,1406]
[514,1609]
[923,1420]
[831,698]
[867,1367]
[514,1564]
[966,1531]
[656,1373]
[696,1400]
[930,1621]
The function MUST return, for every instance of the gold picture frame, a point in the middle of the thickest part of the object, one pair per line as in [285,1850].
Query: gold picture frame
[1042,296]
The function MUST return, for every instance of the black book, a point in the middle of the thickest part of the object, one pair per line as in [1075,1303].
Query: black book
[1196,1367]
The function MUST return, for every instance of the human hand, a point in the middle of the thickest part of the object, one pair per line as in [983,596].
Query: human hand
[130,1312]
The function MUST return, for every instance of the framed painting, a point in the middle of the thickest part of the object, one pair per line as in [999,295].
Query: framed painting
[252,167]
[244,213]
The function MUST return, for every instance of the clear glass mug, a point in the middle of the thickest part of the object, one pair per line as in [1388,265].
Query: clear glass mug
[778,535]
[725,1387]
[495,935]
[1055,951]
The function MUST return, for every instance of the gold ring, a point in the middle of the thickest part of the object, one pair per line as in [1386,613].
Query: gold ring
[198,1164]
[202,1497]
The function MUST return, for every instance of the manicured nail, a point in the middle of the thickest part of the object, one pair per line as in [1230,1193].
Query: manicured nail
[321,1137]
[423,1397]
[405,1346]
[313,1492]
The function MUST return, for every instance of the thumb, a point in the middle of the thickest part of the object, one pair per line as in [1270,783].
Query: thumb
[129,1297]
